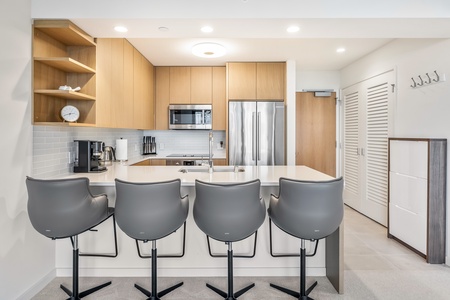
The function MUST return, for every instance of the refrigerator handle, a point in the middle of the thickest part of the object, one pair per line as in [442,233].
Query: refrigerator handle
[253,136]
[258,137]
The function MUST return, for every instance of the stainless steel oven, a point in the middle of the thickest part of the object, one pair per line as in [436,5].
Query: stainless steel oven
[190,116]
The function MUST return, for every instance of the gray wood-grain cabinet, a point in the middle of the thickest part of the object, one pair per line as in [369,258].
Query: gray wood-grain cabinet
[417,195]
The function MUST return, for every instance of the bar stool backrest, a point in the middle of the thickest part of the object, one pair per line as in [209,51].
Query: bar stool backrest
[229,212]
[63,208]
[308,209]
[150,211]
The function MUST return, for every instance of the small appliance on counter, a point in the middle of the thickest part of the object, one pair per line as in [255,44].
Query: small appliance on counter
[88,156]
[148,145]
[109,154]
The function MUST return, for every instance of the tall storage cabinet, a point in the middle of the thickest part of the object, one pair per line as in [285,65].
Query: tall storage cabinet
[417,195]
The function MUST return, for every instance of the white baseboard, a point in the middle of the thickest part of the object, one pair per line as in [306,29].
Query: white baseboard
[38,286]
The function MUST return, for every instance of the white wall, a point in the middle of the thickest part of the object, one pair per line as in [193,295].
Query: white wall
[419,112]
[27,259]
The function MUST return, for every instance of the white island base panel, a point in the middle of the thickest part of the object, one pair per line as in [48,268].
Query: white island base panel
[196,261]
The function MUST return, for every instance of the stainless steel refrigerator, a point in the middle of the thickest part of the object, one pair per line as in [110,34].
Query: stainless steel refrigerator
[256,133]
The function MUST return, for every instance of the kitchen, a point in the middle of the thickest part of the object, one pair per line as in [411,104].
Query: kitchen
[419,112]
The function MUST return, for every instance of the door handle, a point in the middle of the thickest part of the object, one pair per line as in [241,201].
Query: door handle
[253,136]
[258,128]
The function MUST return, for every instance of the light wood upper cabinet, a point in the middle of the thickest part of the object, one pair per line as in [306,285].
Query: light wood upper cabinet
[138,97]
[143,92]
[241,81]
[180,85]
[201,85]
[256,81]
[162,92]
[125,86]
[63,54]
[219,103]
[104,82]
[126,109]
[270,81]
[149,93]
[189,85]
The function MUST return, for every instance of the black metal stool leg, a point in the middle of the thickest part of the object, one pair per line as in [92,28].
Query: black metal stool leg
[230,295]
[303,295]
[154,295]
[75,294]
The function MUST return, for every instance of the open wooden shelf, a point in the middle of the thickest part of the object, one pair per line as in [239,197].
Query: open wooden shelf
[65,64]
[65,31]
[65,94]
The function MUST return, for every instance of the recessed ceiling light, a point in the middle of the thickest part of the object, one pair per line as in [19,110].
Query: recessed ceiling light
[207,29]
[340,50]
[120,29]
[292,29]
[208,50]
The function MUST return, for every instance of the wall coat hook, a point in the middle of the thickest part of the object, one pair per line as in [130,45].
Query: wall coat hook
[414,83]
[429,79]
[437,77]
[421,81]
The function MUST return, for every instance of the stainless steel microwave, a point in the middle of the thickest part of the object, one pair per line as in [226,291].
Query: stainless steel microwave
[190,116]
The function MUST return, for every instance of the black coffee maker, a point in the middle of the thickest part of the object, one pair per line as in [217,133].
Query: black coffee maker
[88,156]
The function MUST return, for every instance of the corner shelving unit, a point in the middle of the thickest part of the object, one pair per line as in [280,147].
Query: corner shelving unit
[63,54]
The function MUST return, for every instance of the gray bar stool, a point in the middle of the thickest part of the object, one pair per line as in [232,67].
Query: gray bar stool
[229,213]
[149,212]
[65,208]
[308,210]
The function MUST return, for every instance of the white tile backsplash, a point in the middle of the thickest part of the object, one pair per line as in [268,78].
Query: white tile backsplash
[53,146]
[186,141]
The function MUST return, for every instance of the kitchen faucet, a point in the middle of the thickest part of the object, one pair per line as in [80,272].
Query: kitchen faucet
[211,144]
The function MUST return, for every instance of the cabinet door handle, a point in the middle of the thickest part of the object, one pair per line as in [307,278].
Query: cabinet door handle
[357,151]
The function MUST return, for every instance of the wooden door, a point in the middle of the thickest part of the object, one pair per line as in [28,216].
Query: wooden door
[315,141]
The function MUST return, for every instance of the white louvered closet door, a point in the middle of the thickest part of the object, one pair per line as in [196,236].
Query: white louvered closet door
[375,108]
[351,148]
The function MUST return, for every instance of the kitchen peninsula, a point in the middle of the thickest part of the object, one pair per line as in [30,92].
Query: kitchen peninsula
[196,262]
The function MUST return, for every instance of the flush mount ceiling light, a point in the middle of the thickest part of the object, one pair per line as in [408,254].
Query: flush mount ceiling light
[292,29]
[208,50]
[340,50]
[207,29]
[120,29]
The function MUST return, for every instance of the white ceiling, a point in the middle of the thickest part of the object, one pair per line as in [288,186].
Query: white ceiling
[255,30]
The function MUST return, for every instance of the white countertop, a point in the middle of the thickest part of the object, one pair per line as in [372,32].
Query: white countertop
[269,175]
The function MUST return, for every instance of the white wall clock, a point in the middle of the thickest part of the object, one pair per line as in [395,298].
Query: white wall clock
[70,113]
